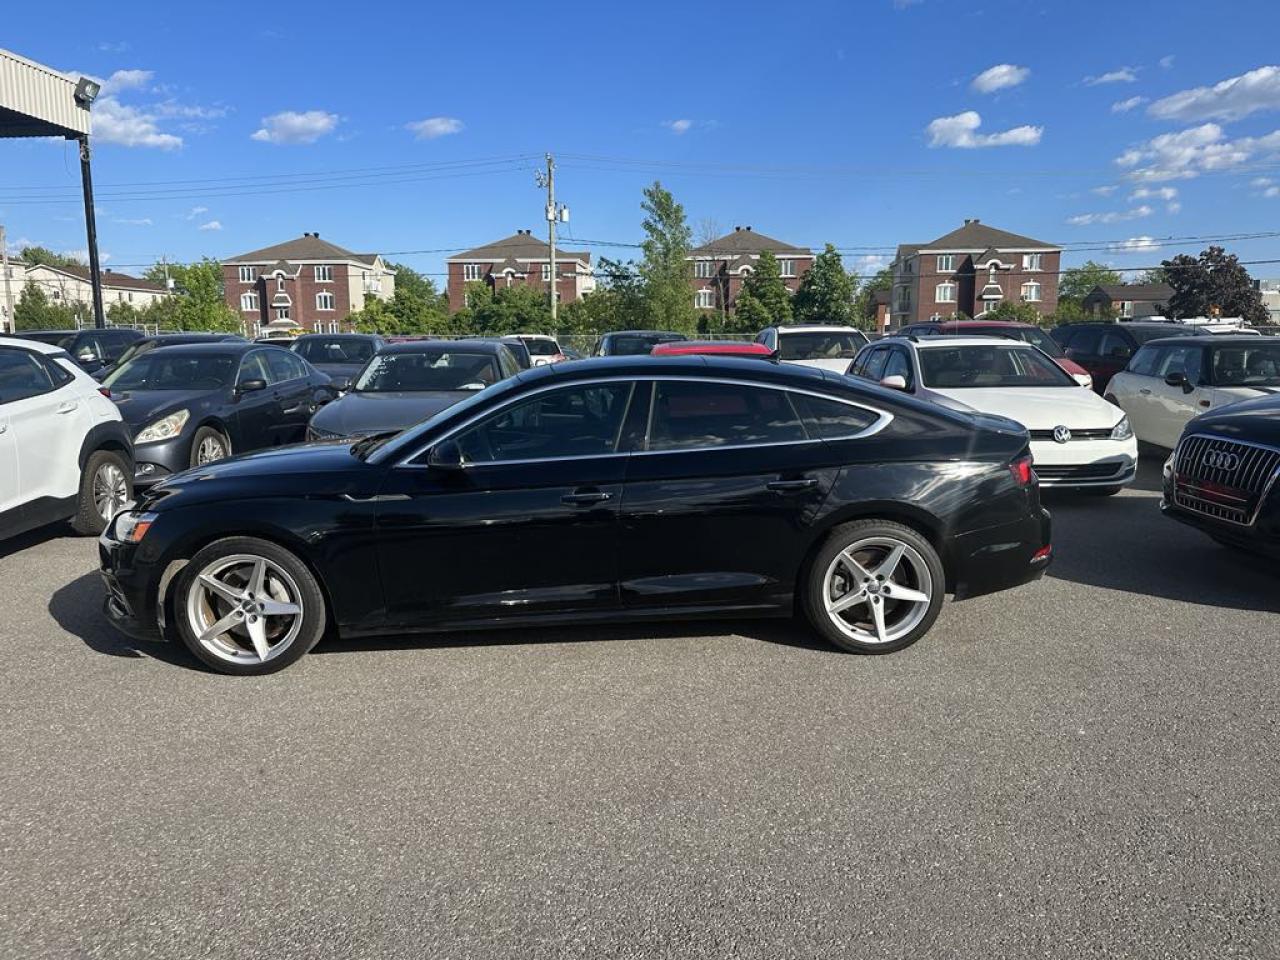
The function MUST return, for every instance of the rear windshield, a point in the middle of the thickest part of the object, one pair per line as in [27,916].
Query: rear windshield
[950,368]
[1247,366]
[415,372]
[1143,334]
[174,371]
[638,344]
[542,348]
[834,345]
[1032,335]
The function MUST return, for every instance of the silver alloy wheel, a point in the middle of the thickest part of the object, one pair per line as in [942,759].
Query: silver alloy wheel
[211,450]
[244,609]
[877,590]
[110,490]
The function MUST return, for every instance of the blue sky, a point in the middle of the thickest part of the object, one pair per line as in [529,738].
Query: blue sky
[1102,126]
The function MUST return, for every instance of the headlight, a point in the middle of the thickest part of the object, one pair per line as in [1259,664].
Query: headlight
[1084,380]
[1122,430]
[164,429]
[131,527]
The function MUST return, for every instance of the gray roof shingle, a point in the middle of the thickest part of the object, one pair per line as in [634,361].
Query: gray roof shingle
[744,240]
[519,246]
[1134,291]
[309,246]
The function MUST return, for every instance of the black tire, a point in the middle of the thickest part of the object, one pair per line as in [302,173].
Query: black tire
[1103,491]
[209,435]
[232,651]
[850,534]
[89,520]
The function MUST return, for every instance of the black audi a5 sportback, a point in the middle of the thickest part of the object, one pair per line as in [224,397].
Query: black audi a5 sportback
[1224,476]
[625,488]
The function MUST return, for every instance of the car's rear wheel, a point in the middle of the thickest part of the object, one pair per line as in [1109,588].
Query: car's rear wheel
[248,606]
[209,446]
[105,487]
[875,586]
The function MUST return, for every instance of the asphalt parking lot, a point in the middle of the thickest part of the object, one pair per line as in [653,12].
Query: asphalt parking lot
[1086,766]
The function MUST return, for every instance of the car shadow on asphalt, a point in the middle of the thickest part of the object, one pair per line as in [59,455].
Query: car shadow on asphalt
[33,538]
[1124,543]
[77,609]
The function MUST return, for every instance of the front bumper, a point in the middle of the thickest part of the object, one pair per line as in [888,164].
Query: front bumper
[1261,535]
[1085,463]
[132,587]
[999,558]
[154,462]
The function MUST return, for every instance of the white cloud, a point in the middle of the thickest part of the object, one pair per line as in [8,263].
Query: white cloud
[291,127]
[1166,62]
[1104,191]
[678,127]
[211,225]
[869,264]
[1143,244]
[126,80]
[133,221]
[188,111]
[1174,207]
[1123,75]
[433,127]
[961,131]
[1232,99]
[82,254]
[114,122]
[1154,193]
[196,211]
[1191,152]
[1124,106]
[903,4]
[999,77]
[1111,216]
[1266,187]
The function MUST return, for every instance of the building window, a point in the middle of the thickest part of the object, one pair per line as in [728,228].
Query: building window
[248,274]
[704,269]
[1031,261]
[472,271]
[1031,292]
[249,301]
[945,293]
[1126,308]
[705,299]
[282,313]
[279,284]
[324,300]
[324,273]
[546,273]
[935,317]
[57,295]
[787,268]
[946,262]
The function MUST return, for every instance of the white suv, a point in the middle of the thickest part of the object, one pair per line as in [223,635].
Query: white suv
[64,451]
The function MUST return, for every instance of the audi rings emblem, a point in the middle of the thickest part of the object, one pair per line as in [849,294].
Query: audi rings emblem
[1220,460]
[1061,434]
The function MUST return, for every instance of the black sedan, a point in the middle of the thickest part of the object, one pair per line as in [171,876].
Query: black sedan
[634,343]
[408,382]
[1224,476]
[635,488]
[191,405]
[161,340]
[340,355]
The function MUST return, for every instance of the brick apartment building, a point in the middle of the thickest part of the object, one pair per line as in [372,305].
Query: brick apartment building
[519,260]
[306,283]
[722,266]
[970,271]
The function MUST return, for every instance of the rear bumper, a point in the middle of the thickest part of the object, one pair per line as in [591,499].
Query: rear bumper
[999,558]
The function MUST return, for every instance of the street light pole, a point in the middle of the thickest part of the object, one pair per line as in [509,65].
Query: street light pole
[91,226]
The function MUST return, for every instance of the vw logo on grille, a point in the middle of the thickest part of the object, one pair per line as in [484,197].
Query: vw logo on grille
[1061,434]
[1220,460]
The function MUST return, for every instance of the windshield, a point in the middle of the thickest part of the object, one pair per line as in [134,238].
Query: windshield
[1247,366]
[948,368]
[173,371]
[439,370]
[55,339]
[831,345]
[542,348]
[336,350]
[637,344]
[1143,334]
[1032,335]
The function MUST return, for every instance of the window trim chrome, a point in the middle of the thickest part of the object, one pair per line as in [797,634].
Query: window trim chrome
[883,419]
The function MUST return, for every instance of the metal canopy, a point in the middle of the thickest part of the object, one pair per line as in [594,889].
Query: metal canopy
[38,101]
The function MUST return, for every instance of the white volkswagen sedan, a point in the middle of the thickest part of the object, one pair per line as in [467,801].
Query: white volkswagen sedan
[1078,439]
[1168,382]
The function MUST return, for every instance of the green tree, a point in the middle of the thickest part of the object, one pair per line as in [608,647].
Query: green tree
[826,293]
[1154,275]
[1213,284]
[34,311]
[1014,310]
[664,272]
[37,254]
[1078,281]
[197,302]
[864,311]
[750,313]
[764,285]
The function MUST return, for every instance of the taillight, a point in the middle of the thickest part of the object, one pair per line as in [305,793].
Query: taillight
[1023,475]
[105,391]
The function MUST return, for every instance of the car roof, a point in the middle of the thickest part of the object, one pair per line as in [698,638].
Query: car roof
[645,333]
[1205,339]
[817,328]
[337,336]
[938,343]
[217,347]
[488,347]
[34,346]
[966,324]
[687,365]
[712,347]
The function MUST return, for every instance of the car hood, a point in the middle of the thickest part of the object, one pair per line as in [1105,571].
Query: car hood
[836,365]
[140,407]
[1041,408]
[358,414]
[1252,421]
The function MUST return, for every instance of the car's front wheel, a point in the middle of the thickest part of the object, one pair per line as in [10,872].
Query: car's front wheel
[105,487]
[875,586]
[209,446]
[248,606]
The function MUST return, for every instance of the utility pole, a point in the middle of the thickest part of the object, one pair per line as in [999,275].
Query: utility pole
[554,214]
[9,324]
[91,226]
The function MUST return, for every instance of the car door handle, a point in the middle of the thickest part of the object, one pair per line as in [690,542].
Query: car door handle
[583,497]
[791,486]
[1145,392]
[67,406]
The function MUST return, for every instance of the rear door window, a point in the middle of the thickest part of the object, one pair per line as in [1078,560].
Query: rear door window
[831,419]
[254,367]
[692,415]
[899,365]
[875,364]
[1114,347]
[22,375]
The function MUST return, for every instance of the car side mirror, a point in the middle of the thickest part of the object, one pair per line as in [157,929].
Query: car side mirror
[445,456]
[894,382]
[1179,379]
[341,384]
[251,386]
[473,385]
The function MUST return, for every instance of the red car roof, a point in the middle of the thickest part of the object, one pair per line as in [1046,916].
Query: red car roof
[723,348]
